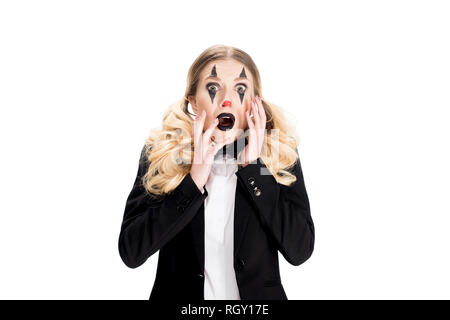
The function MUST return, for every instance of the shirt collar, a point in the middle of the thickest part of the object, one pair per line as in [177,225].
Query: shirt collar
[224,166]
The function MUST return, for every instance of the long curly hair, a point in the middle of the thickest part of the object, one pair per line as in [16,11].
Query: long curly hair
[169,150]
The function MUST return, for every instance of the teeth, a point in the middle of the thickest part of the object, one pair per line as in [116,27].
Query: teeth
[226,121]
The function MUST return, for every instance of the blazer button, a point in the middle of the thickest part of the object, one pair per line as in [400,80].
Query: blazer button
[251,181]
[185,202]
[241,264]
[200,275]
[257,192]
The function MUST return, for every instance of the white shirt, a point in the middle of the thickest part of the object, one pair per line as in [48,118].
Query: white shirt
[220,278]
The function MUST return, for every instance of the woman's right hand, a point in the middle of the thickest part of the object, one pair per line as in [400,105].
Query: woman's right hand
[204,151]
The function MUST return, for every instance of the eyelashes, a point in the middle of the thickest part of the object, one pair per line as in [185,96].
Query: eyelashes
[241,88]
[210,86]
[213,87]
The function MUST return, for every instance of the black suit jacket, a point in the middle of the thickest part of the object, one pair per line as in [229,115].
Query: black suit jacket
[269,217]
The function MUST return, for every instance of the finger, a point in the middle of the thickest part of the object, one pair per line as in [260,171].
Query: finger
[256,116]
[195,129]
[212,149]
[253,136]
[198,127]
[249,106]
[258,124]
[262,116]
[251,125]
[262,112]
[209,131]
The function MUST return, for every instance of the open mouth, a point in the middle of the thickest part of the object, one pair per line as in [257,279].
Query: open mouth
[226,121]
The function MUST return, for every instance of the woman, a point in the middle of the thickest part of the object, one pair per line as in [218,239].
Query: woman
[221,194]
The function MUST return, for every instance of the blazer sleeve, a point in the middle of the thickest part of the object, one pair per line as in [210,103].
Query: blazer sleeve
[284,210]
[149,224]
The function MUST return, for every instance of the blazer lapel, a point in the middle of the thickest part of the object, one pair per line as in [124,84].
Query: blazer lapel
[242,211]
[198,235]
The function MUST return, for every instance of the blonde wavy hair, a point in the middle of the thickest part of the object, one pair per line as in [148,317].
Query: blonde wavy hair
[169,149]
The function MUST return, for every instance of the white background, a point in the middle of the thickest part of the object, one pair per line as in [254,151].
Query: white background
[367,82]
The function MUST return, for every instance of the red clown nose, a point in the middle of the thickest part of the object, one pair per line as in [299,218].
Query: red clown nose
[227,103]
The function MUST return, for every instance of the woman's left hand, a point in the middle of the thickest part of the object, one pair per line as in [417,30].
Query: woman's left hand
[257,128]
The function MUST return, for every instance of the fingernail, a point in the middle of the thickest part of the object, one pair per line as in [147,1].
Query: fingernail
[203,113]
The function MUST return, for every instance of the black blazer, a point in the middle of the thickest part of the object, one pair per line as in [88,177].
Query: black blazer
[268,217]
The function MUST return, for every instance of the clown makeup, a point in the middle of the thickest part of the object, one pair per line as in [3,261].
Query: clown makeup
[243,75]
[224,91]
[212,91]
[213,72]
[241,91]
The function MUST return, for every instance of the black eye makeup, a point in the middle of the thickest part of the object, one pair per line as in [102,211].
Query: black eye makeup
[213,87]
[243,75]
[241,88]
[212,93]
[242,92]
[213,72]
